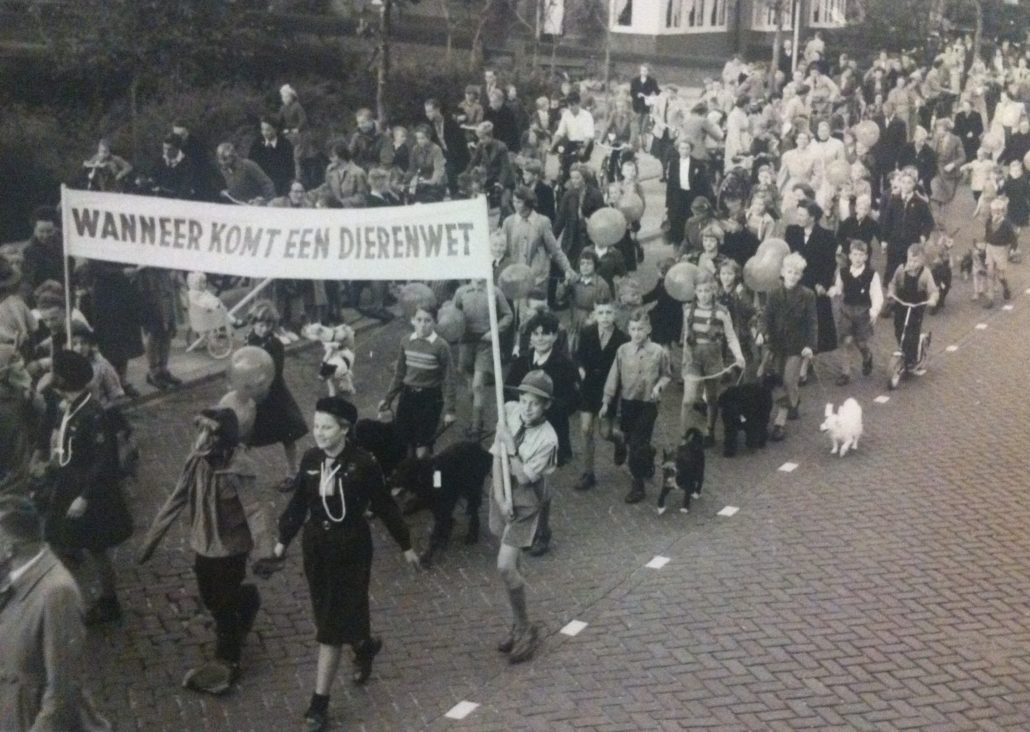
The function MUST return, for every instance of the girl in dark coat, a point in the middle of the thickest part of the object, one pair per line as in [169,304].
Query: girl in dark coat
[278,418]
[337,483]
[667,314]
[85,509]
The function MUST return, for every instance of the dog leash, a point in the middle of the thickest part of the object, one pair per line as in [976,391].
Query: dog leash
[716,375]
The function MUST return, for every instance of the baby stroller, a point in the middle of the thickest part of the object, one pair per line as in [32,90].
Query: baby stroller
[210,320]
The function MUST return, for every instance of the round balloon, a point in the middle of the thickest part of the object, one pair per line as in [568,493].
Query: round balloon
[867,132]
[993,141]
[246,411]
[1026,161]
[251,371]
[415,295]
[760,275]
[838,172]
[450,322]
[606,226]
[632,207]
[516,281]
[774,247]
[680,281]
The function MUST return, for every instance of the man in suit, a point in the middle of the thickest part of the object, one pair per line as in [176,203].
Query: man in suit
[686,181]
[42,638]
[196,152]
[449,136]
[643,89]
[532,178]
[893,138]
[174,175]
[662,130]
[906,220]
[274,154]
[819,248]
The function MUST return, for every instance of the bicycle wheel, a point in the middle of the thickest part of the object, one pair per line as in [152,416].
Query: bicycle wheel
[894,369]
[219,343]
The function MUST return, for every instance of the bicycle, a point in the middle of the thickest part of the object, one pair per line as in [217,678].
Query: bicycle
[897,367]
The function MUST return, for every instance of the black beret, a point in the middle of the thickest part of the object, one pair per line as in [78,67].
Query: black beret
[72,372]
[339,408]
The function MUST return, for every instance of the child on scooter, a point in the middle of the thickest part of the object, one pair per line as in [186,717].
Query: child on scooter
[913,289]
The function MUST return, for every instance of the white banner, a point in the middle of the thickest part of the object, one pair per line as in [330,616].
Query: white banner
[426,241]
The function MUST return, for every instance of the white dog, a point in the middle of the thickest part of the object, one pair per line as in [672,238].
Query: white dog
[338,357]
[845,427]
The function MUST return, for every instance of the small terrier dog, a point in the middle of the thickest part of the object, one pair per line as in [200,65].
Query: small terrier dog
[683,468]
[844,426]
[336,369]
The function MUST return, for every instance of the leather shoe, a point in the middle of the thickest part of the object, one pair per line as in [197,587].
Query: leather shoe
[539,547]
[506,645]
[585,482]
[171,380]
[777,434]
[363,658]
[315,720]
[867,365]
[157,382]
[636,494]
[843,380]
[792,413]
[525,645]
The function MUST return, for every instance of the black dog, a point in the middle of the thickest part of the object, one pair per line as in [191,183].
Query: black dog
[438,482]
[684,468]
[746,407]
[380,439]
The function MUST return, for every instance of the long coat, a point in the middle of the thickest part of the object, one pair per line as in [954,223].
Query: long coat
[570,227]
[114,310]
[949,152]
[820,253]
[678,201]
[42,643]
[278,417]
[86,466]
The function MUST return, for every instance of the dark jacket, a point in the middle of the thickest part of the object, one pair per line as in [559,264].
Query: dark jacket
[637,87]
[545,203]
[924,160]
[789,321]
[506,129]
[179,181]
[892,139]
[276,162]
[820,253]
[570,222]
[454,144]
[563,373]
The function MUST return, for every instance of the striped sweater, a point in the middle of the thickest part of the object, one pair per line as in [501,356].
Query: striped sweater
[424,363]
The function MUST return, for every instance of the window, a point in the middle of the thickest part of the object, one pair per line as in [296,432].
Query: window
[622,11]
[673,13]
[763,17]
[705,15]
[827,13]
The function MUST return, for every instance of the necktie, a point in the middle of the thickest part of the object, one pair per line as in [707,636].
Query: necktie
[520,435]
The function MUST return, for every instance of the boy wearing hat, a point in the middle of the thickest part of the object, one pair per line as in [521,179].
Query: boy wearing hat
[529,441]
[211,482]
[85,510]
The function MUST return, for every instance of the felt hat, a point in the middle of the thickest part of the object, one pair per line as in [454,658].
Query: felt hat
[700,205]
[72,372]
[339,408]
[538,384]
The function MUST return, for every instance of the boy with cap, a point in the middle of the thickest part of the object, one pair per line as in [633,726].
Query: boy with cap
[529,441]
[211,482]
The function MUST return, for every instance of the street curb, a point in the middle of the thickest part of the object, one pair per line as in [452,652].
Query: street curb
[298,347]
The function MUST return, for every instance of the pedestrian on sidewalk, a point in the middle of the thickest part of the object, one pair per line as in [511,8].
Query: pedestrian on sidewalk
[861,293]
[529,441]
[278,419]
[211,482]
[336,485]
[641,371]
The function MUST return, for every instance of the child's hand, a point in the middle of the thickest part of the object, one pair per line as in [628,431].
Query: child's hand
[603,411]
[740,363]
[656,392]
[806,352]
[582,373]
[449,419]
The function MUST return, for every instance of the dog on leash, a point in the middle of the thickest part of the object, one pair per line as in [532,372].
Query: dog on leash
[844,426]
[683,468]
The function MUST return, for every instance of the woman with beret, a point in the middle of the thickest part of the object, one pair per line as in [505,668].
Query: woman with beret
[336,484]
[85,508]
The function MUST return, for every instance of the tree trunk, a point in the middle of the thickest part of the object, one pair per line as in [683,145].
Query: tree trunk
[979,32]
[777,46]
[137,152]
[476,52]
[445,6]
[383,77]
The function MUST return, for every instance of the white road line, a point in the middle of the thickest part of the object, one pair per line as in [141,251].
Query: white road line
[461,710]
[952,348]
[788,467]
[882,399]
[728,511]
[573,627]
[657,562]
[981,326]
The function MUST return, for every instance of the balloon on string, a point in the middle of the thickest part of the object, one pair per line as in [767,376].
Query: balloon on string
[415,295]
[251,371]
[762,273]
[450,322]
[632,207]
[774,248]
[680,281]
[867,132]
[516,281]
[838,172]
[245,409]
[606,226]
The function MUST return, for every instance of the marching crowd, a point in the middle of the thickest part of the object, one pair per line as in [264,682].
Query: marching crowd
[800,208]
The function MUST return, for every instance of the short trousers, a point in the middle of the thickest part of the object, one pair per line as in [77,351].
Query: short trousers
[476,356]
[702,359]
[519,531]
[418,415]
[855,322]
[999,255]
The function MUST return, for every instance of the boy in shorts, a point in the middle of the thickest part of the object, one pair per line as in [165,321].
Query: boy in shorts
[475,355]
[861,300]
[524,434]
[424,380]
[1001,238]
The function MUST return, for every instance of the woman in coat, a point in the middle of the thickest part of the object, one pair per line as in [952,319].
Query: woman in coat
[335,486]
[85,509]
[114,309]
[950,156]
[819,248]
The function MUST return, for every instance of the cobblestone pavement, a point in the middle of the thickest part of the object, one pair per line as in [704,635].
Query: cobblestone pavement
[885,590]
